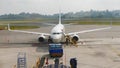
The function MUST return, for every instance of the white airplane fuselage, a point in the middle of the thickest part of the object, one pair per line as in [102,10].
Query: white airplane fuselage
[57,33]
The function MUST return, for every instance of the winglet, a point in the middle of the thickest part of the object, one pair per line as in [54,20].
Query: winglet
[8,26]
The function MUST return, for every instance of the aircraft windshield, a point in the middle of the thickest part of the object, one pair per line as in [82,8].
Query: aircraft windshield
[56,33]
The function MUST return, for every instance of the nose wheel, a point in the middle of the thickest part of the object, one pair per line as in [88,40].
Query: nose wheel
[50,41]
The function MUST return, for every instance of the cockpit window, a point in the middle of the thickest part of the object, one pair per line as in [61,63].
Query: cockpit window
[56,33]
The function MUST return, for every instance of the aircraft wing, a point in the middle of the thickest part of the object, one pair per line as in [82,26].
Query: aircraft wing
[85,31]
[27,31]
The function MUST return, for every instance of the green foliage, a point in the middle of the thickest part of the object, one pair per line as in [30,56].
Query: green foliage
[78,15]
[96,21]
[18,27]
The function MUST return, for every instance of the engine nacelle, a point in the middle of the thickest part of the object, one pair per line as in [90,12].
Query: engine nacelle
[41,38]
[75,38]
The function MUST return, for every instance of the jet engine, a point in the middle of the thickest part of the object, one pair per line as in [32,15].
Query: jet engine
[41,38]
[75,38]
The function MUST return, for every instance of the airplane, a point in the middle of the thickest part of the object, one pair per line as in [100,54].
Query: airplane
[58,34]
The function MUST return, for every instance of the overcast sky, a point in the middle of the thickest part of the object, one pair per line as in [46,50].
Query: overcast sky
[52,6]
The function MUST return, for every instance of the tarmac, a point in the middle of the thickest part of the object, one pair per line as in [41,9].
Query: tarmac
[99,49]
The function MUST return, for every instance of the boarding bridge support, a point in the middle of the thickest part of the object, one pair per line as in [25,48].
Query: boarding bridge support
[21,60]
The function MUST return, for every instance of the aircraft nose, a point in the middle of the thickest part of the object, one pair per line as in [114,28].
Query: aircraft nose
[56,39]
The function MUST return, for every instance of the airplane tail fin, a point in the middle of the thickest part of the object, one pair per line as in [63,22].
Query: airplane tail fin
[59,17]
[9,27]
[60,20]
